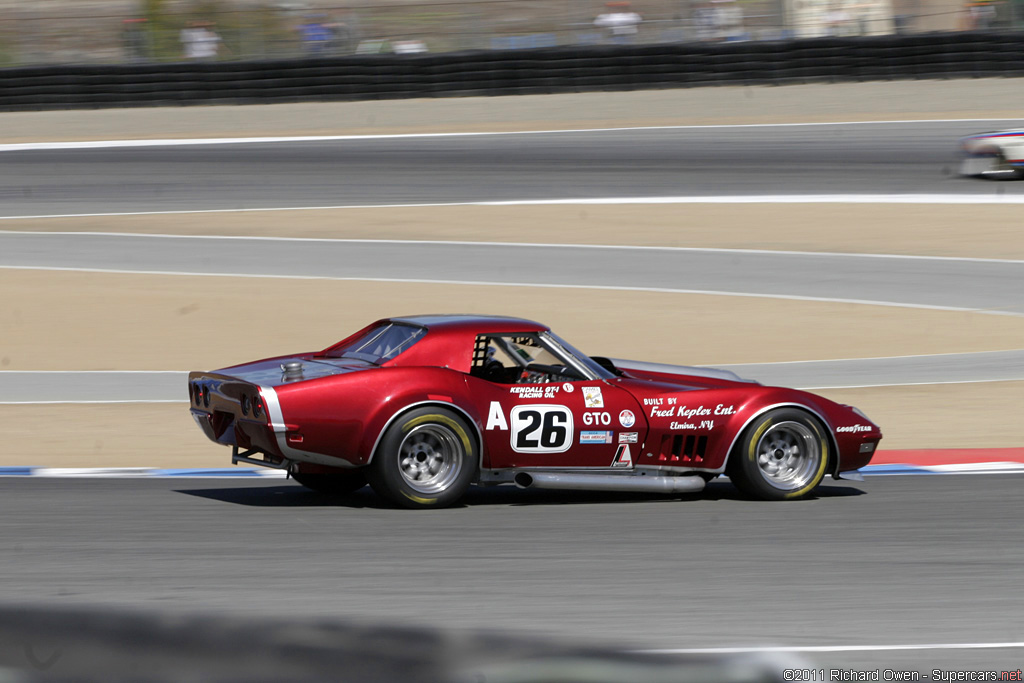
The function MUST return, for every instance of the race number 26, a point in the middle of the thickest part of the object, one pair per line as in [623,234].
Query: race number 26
[541,429]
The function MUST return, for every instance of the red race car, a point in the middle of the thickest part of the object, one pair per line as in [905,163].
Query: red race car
[421,407]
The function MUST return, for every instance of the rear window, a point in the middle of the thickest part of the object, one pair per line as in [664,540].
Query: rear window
[380,344]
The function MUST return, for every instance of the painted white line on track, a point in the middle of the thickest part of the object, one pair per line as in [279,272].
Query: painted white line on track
[185,400]
[487,283]
[178,142]
[96,372]
[966,199]
[531,245]
[96,402]
[836,648]
[704,365]
[911,384]
[844,360]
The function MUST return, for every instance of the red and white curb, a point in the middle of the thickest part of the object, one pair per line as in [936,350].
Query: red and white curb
[947,461]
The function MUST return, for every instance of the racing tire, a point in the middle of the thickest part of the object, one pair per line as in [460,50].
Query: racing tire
[333,484]
[427,458]
[781,455]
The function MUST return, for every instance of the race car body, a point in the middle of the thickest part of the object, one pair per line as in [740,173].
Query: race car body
[993,155]
[423,406]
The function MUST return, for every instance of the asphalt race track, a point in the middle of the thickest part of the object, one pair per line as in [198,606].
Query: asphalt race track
[913,281]
[922,561]
[877,158]
[639,571]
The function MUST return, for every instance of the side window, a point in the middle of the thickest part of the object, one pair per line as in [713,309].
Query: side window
[519,359]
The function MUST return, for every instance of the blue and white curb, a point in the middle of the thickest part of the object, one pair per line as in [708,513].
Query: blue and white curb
[266,473]
[144,472]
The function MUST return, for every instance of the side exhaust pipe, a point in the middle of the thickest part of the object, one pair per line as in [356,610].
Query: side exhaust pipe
[609,482]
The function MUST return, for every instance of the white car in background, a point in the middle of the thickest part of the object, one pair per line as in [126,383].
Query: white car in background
[993,155]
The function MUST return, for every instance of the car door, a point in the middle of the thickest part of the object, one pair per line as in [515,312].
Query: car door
[539,413]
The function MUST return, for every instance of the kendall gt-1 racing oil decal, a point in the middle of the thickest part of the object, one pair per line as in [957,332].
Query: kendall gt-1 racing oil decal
[534,390]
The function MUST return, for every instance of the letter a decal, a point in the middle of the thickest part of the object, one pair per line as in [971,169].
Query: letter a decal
[496,418]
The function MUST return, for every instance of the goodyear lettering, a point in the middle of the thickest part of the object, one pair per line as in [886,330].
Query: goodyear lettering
[854,429]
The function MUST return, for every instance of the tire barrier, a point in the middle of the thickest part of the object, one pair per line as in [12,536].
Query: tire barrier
[533,71]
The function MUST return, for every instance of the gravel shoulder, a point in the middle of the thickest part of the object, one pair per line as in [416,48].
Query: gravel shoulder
[60,320]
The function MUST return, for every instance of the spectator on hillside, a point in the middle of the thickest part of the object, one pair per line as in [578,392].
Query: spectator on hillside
[619,21]
[135,40]
[317,36]
[200,41]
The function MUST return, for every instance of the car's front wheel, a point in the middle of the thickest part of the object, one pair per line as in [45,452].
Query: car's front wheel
[781,455]
[427,458]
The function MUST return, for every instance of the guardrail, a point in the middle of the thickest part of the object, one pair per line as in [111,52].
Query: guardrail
[547,70]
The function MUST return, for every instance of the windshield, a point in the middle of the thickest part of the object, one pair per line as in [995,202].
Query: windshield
[577,355]
[379,344]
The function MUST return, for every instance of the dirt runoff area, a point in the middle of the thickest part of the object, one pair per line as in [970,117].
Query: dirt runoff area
[64,321]
[105,321]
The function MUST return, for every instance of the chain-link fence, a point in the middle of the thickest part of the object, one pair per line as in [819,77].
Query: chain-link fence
[73,31]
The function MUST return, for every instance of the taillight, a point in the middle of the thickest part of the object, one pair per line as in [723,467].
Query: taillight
[245,404]
[257,406]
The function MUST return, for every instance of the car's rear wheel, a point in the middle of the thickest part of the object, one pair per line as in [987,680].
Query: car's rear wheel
[781,455]
[337,483]
[427,458]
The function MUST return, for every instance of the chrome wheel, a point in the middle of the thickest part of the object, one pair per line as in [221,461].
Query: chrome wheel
[788,455]
[430,458]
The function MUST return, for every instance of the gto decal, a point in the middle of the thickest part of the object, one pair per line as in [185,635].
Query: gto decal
[597,419]
[540,429]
